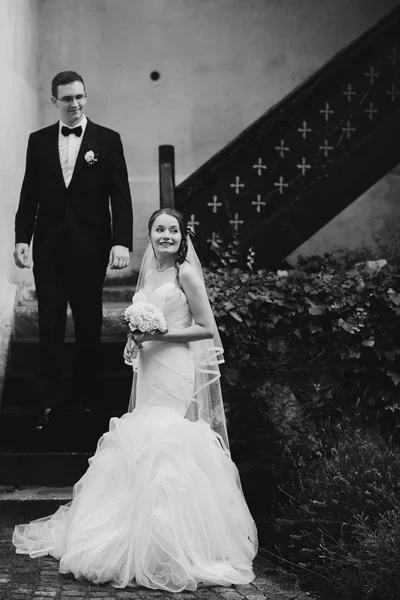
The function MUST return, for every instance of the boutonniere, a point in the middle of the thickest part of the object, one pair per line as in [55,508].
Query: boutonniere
[91,156]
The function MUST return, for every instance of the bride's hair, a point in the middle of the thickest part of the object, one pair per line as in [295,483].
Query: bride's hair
[183,248]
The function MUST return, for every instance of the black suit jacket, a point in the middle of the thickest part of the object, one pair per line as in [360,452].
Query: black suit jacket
[75,221]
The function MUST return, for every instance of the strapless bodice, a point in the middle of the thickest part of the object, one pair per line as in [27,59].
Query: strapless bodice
[169,298]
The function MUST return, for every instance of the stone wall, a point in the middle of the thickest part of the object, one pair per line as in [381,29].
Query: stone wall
[19,111]
[372,222]
[221,64]
[19,116]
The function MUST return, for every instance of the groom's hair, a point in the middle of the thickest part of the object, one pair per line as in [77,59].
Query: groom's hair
[64,78]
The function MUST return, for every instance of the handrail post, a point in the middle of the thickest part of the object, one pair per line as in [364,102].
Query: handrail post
[166,169]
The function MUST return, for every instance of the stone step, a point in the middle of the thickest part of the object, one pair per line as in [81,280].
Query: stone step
[68,431]
[45,469]
[112,389]
[23,357]
[119,295]
[26,322]
[33,502]
[118,291]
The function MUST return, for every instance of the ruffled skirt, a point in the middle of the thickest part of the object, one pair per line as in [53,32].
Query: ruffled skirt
[160,504]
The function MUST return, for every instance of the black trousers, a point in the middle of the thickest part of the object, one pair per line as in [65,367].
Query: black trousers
[81,287]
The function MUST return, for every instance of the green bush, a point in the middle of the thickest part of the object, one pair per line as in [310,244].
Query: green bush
[325,334]
[332,334]
[341,525]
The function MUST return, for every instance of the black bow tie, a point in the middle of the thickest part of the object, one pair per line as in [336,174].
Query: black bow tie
[67,131]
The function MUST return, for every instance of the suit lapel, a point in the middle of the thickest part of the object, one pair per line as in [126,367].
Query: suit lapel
[88,143]
[54,153]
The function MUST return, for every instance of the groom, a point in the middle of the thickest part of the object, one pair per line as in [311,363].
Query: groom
[75,173]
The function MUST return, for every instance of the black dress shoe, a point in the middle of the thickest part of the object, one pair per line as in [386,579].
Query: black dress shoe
[86,404]
[84,408]
[43,419]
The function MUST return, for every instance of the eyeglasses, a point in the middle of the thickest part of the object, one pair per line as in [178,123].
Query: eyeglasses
[70,99]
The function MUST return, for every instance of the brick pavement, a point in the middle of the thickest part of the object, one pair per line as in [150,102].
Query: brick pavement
[23,578]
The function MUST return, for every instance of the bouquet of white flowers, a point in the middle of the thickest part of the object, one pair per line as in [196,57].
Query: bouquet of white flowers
[142,317]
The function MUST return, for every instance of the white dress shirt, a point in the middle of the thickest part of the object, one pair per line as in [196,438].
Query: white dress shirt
[68,148]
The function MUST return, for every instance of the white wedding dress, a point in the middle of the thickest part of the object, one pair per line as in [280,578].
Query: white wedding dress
[161,502]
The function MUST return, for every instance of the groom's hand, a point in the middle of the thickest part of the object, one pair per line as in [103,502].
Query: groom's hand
[21,254]
[119,257]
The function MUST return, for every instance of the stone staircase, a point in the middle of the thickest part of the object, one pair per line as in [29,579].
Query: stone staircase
[59,455]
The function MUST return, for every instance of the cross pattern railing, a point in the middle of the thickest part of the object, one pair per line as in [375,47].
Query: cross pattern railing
[308,157]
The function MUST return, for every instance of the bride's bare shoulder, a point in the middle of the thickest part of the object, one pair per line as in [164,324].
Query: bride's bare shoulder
[188,273]
[186,269]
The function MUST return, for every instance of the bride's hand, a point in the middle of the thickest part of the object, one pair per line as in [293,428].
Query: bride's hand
[145,337]
[150,337]
[130,350]
[138,338]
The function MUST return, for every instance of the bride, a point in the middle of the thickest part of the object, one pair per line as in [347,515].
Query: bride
[161,502]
